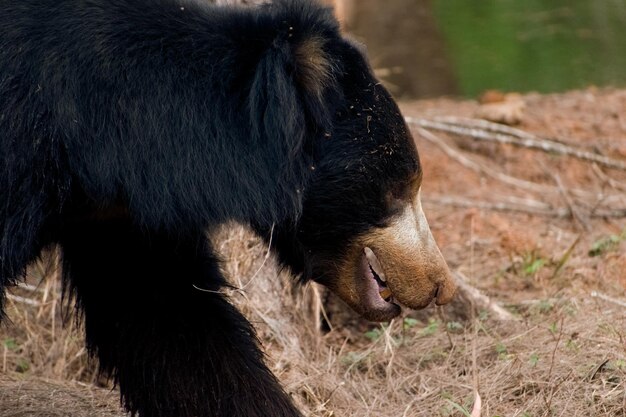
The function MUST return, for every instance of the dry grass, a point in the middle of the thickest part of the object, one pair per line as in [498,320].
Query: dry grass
[39,397]
[562,357]
[41,337]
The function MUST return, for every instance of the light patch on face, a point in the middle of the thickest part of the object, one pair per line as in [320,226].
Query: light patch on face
[420,217]
[411,227]
[412,261]
[406,253]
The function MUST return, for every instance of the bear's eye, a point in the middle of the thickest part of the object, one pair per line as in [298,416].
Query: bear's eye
[395,202]
[402,193]
[405,189]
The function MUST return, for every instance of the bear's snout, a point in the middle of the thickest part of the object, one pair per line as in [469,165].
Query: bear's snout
[396,265]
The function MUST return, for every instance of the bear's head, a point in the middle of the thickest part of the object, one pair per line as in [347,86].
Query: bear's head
[361,232]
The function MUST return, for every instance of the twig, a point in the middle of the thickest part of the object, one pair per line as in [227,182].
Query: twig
[28,287]
[566,256]
[534,301]
[476,409]
[475,166]
[533,208]
[23,300]
[549,378]
[521,139]
[442,317]
[265,258]
[242,288]
[610,181]
[470,295]
[318,308]
[576,215]
[598,369]
[605,297]
[486,125]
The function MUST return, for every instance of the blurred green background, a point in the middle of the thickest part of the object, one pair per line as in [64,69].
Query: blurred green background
[464,47]
[543,45]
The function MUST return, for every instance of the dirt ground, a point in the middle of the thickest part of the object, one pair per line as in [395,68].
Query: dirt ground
[538,232]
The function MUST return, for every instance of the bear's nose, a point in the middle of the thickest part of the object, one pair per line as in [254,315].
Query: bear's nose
[445,289]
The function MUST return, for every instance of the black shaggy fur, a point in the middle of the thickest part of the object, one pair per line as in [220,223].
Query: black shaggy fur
[129,127]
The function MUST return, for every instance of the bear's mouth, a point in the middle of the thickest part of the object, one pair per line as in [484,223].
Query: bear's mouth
[378,274]
[376,297]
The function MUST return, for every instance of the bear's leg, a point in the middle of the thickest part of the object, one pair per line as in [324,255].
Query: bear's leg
[23,232]
[175,351]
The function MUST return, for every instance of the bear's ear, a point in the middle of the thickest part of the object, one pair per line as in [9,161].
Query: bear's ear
[313,67]
[288,88]
[279,119]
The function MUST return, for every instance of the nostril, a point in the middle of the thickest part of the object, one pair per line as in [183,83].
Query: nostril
[437,289]
[445,291]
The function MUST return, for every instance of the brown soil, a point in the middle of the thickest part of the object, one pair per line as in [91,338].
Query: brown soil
[564,354]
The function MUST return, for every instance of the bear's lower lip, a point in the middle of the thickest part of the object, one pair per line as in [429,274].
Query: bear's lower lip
[373,306]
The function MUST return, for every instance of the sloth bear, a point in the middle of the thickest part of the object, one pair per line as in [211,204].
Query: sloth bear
[130,128]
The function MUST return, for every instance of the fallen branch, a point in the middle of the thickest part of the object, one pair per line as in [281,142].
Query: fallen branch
[467,295]
[596,294]
[532,207]
[486,125]
[476,166]
[481,168]
[536,207]
[503,134]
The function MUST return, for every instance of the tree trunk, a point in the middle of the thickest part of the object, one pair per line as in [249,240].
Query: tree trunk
[404,44]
